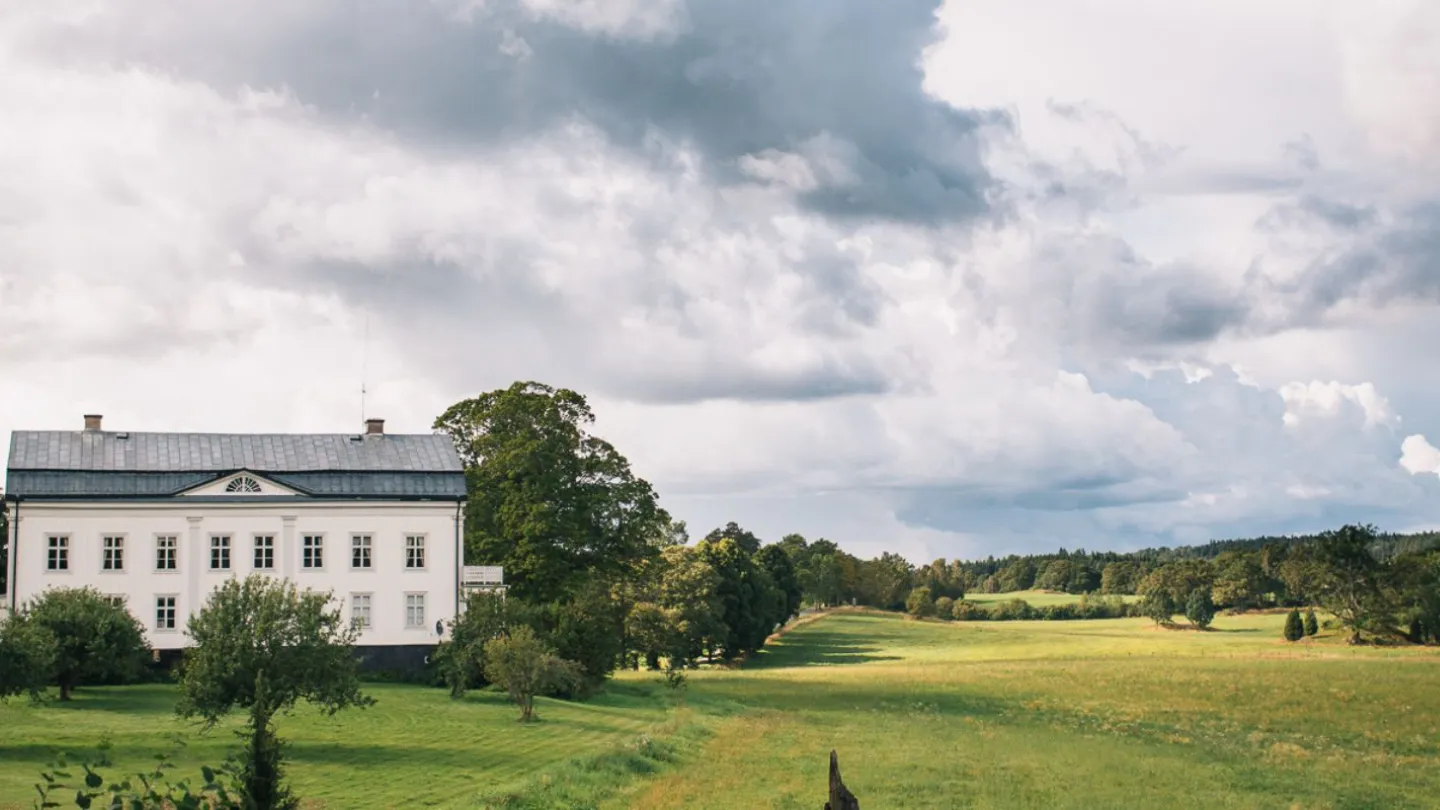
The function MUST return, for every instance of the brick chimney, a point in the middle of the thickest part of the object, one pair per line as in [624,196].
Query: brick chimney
[374,427]
[92,421]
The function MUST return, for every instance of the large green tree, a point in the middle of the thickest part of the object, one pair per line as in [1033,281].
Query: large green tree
[1240,581]
[1177,580]
[1120,577]
[95,639]
[821,571]
[1416,578]
[550,501]
[262,645]
[1349,582]
[746,593]
[747,542]
[787,581]
[27,657]
[689,590]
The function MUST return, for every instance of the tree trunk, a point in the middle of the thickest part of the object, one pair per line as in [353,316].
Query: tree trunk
[840,797]
[65,688]
[262,775]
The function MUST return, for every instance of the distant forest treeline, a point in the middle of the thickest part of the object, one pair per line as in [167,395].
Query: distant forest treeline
[832,576]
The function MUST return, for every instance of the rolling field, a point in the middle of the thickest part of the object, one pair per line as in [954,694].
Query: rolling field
[1090,714]
[1035,598]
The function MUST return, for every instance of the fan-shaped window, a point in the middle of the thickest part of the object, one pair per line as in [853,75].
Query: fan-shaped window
[243,484]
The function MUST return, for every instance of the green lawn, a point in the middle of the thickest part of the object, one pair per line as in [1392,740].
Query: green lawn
[414,748]
[1091,714]
[1035,598]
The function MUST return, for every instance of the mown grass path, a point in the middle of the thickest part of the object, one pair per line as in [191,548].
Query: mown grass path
[1069,715]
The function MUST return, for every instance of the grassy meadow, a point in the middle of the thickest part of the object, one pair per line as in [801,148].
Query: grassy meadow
[1035,598]
[1076,714]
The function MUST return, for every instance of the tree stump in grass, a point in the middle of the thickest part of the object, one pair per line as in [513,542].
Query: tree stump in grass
[840,797]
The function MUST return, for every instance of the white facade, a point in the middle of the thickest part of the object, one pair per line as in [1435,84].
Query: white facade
[411,580]
[159,520]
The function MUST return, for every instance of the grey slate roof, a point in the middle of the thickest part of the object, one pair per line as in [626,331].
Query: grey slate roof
[68,484]
[75,464]
[218,452]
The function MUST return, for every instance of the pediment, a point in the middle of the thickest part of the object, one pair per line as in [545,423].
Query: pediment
[241,484]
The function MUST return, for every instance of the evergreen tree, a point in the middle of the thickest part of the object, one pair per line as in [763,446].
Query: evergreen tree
[1199,608]
[1311,625]
[1294,628]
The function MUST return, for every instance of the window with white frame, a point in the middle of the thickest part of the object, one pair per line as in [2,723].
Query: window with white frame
[244,484]
[264,552]
[414,610]
[360,610]
[112,553]
[360,551]
[312,551]
[166,552]
[219,552]
[415,551]
[165,613]
[116,599]
[57,555]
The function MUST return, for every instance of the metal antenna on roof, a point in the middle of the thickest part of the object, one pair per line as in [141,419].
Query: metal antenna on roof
[364,360]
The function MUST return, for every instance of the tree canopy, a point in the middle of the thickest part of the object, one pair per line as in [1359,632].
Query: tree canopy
[27,657]
[262,645]
[550,501]
[94,639]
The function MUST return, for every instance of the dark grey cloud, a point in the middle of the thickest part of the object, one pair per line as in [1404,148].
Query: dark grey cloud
[1119,300]
[738,77]
[830,378]
[1312,209]
[1381,264]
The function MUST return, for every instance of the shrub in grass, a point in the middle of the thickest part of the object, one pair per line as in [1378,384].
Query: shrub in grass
[1311,625]
[945,608]
[920,603]
[1061,612]
[1013,610]
[1294,627]
[525,666]
[970,612]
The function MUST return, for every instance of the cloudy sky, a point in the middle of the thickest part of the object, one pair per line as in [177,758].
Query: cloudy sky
[945,279]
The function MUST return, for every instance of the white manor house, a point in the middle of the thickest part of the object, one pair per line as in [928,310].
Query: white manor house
[157,520]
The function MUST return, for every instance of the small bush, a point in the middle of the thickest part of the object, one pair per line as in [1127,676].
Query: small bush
[1013,610]
[919,603]
[525,666]
[1294,627]
[970,612]
[945,608]
[1311,625]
